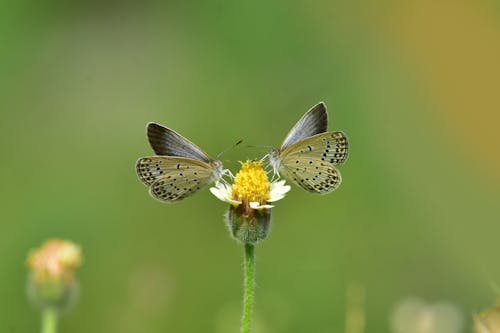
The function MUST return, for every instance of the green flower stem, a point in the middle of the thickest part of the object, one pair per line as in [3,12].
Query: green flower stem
[49,320]
[249,287]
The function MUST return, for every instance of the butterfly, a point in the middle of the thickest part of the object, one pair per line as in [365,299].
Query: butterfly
[180,168]
[309,153]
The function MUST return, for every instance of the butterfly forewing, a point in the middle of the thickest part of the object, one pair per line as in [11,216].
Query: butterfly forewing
[167,142]
[313,122]
[172,178]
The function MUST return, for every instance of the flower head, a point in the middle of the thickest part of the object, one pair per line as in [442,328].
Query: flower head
[249,213]
[55,260]
[251,187]
[52,266]
[487,321]
[251,183]
[414,315]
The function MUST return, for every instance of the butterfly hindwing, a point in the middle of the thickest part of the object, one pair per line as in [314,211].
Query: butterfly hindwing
[167,142]
[313,122]
[173,178]
[313,175]
[173,187]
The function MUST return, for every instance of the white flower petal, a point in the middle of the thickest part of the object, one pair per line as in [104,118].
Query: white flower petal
[265,206]
[256,205]
[224,192]
[218,193]
[234,202]
[276,198]
[279,187]
[281,190]
[279,183]
[278,190]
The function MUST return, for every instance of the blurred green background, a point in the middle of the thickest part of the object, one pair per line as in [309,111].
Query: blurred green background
[414,84]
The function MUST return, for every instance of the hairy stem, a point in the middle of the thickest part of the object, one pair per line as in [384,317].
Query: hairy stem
[249,287]
[49,320]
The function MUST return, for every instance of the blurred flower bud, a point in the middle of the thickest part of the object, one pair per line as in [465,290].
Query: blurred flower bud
[413,315]
[487,321]
[51,282]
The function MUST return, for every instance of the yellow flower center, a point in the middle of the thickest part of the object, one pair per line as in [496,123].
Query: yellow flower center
[251,183]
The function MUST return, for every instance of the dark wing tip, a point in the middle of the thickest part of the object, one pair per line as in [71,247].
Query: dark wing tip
[154,128]
[320,105]
[156,131]
[156,134]
[322,116]
[319,108]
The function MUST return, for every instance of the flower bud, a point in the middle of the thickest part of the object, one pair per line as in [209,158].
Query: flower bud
[248,225]
[487,321]
[413,315]
[51,282]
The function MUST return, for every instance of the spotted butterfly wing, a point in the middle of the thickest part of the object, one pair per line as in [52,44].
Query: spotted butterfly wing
[310,163]
[172,179]
[182,168]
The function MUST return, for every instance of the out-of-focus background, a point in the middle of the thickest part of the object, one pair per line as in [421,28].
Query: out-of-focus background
[414,84]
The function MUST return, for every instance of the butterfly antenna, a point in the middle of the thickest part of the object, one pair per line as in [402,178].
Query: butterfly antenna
[229,148]
[269,148]
[260,147]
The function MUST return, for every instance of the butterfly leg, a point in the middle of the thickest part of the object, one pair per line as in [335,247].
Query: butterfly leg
[228,173]
[276,175]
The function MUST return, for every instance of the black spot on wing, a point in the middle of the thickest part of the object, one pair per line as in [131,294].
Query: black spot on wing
[336,148]
[320,177]
[177,186]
